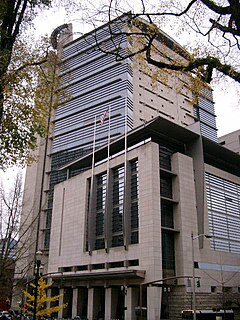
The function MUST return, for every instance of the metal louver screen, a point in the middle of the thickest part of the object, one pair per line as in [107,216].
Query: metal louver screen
[223,198]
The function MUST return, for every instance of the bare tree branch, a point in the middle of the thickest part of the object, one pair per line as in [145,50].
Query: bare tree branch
[15,241]
[224,29]
[31,64]
[224,24]
[216,8]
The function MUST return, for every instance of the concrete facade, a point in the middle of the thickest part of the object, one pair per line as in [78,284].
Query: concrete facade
[231,141]
[218,271]
[116,232]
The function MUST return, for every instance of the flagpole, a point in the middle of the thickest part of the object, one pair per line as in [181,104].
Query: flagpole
[107,215]
[90,220]
[125,180]
[109,131]
[94,144]
[125,129]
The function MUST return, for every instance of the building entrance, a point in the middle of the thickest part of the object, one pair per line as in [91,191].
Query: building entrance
[99,303]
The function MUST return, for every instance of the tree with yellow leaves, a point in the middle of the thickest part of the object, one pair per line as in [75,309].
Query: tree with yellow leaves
[26,64]
[42,299]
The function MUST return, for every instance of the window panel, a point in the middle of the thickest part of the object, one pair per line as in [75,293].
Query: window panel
[134,202]
[166,187]
[168,251]
[167,215]
[100,210]
[117,202]
[117,207]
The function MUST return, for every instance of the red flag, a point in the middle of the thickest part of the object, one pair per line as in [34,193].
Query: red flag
[103,117]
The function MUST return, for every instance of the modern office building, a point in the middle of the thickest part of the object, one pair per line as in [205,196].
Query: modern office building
[94,83]
[115,223]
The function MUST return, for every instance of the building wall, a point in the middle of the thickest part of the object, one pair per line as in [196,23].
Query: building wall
[218,271]
[34,201]
[231,141]
[176,96]
[70,222]
[32,217]
[185,212]
[160,98]
[69,219]
[92,83]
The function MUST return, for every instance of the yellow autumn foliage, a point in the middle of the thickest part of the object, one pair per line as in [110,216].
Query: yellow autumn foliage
[42,299]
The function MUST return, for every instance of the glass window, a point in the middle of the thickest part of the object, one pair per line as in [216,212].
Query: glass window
[117,203]
[168,254]
[100,210]
[166,187]
[167,215]
[134,202]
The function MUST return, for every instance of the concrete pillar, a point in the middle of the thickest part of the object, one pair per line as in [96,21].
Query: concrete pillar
[49,293]
[108,303]
[90,303]
[74,302]
[154,299]
[60,312]
[131,301]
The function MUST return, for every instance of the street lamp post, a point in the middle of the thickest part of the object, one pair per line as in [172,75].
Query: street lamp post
[193,272]
[37,274]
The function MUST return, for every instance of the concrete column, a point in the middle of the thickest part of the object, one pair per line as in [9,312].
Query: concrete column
[154,298]
[60,312]
[131,301]
[49,293]
[74,302]
[90,304]
[108,303]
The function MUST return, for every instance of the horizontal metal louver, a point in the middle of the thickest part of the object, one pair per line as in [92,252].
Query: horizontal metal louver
[208,132]
[223,199]
[92,82]
[81,138]
[87,116]
[90,54]
[100,79]
[206,105]
[97,97]
[207,93]
[89,70]
[207,118]
[72,133]
[98,35]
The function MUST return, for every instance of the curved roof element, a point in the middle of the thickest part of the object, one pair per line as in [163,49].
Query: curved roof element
[56,34]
